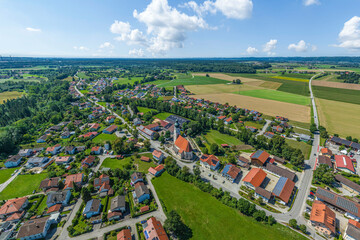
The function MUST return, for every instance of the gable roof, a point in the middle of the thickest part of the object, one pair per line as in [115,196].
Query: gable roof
[117,202]
[263,192]
[260,155]
[325,160]
[343,161]
[32,227]
[212,160]
[280,171]
[141,189]
[157,153]
[12,205]
[124,234]
[92,206]
[283,189]
[347,182]
[323,214]
[183,144]
[255,177]
[155,230]
[50,182]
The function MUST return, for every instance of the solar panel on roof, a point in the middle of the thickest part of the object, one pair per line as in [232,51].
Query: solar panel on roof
[347,204]
[257,154]
[279,186]
[326,193]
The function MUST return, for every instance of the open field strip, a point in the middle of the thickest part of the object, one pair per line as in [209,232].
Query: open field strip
[197,80]
[226,77]
[9,95]
[291,79]
[209,219]
[270,85]
[277,96]
[337,94]
[292,111]
[218,88]
[339,117]
[325,83]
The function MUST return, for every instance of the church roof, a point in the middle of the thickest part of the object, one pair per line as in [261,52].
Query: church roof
[183,144]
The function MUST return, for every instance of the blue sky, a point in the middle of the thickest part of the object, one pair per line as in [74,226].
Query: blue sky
[169,28]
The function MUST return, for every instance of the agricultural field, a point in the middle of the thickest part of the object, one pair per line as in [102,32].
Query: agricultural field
[22,185]
[103,138]
[210,219]
[324,83]
[337,94]
[9,95]
[291,79]
[346,125]
[196,80]
[292,111]
[214,136]
[115,163]
[277,96]
[217,88]
[5,174]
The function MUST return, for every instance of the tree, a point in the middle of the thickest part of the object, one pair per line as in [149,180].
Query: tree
[174,224]
[214,148]
[324,174]
[271,220]
[293,223]
[302,228]
[85,194]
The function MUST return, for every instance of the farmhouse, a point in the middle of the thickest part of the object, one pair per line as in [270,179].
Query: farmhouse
[344,163]
[280,172]
[259,157]
[346,143]
[210,161]
[254,178]
[230,172]
[283,190]
[323,218]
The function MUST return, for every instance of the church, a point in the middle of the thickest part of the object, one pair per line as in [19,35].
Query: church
[182,146]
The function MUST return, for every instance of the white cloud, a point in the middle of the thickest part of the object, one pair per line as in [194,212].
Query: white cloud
[236,9]
[270,45]
[166,26]
[302,46]
[251,50]
[106,45]
[119,27]
[349,36]
[311,2]
[137,52]
[33,29]
[81,48]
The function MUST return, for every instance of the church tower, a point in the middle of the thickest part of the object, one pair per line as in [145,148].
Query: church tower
[176,130]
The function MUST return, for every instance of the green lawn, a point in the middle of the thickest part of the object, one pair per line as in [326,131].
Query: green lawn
[163,115]
[5,174]
[337,94]
[42,206]
[144,166]
[22,185]
[214,136]
[254,124]
[196,80]
[304,147]
[208,218]
[144,109]
[115,163]
[102,138]
[277,96]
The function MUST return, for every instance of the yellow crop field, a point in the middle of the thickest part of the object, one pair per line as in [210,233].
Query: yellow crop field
[291,79]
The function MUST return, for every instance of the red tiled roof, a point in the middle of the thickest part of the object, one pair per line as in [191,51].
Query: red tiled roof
[12,205]
[343,161]
[212,160]
[255,177]
[144,209]
[355,223]
[145,159]
[54,208]
[157,153]
[323,214]
[183,144]
[285,193]
[155,230]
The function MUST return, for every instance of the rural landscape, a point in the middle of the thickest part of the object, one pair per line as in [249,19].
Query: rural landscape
[179,120]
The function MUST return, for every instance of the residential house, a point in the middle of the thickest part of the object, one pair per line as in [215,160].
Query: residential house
[136,177]
[283,190]
[322,218]
[94,127]
[65,134]
[141,192]
[13,206]
[73,179]
[145,159]
[42,139]
[304,137]
[98,182]
[13,161]
[148,133]
[34,229]
[49,183]
[278,129]
[323,159]
[53,150]
[157,170]
[326,152]
[263,193]
[92,208]
[243,162]
[352,231]
[70,150]
[137,121]
[344,163]
[228,121]
[231,172]
[254,178]
[25,152]
[118,204]
[348,184]
[280,172]
[114,216]
[259,157]
[158,156]
[37,162]
[62,197]
[54,209]
[210,161]
[124,234]
[153,229]
[110,130]
[60,160]
[269,135]
[110,119]
[96,150]
[88,161]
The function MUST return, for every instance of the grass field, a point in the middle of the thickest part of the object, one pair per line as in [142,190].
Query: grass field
[144,109]
[5,174]
[102,138]
[297,75]
[277,96]
[254,124]
[9,95]
[214,136]
[304,147]
[337,94]
[292,111]
[338,117]
[210,219]
[342,85]
[291,79]
[115,163]
[196,80]
[218,88]
[144,166]
[126,80]
[22,185]
[163,115]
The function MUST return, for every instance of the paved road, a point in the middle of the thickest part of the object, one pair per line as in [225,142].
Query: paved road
[263,130]
[5,184]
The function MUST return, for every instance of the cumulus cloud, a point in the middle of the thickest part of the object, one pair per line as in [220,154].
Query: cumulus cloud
[269,46]
[30,29]
[349,36]
[81,48]
[106,45]
[301,46]
[236,9]
[251,50]
[311,2]
[137,52]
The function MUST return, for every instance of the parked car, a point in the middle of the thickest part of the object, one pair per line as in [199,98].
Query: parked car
[209,175]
